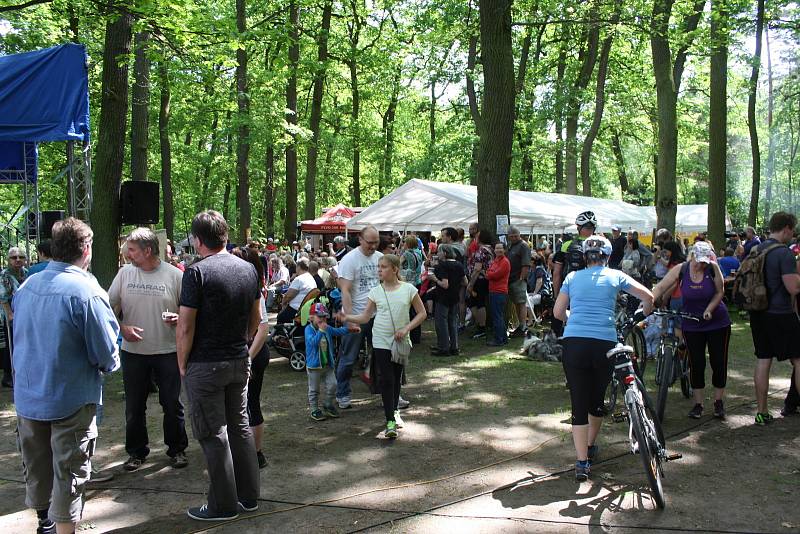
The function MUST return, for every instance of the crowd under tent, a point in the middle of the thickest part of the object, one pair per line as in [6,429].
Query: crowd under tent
[423,205]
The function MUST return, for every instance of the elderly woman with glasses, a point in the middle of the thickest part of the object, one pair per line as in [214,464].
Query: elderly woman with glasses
[10,279]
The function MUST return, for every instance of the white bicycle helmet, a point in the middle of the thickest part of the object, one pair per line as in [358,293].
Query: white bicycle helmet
[587,217]
[597,244]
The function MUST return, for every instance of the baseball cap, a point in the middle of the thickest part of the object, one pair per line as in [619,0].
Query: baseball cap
[702,252]
[318,309]
[615,228]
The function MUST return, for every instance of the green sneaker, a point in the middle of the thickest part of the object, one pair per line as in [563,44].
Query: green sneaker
[391,430]
[330,411]
[397,419]
[317,415]
[763,418]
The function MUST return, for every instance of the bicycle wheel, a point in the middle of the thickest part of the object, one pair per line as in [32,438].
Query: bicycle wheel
[650,411]
[648,451]
[635,338]
[666,353]
[686,383]
[611,396]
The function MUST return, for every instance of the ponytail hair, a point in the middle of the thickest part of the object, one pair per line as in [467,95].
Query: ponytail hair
[393,261]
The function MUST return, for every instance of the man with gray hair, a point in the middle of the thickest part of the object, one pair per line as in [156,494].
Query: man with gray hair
[145,295]
[10,279]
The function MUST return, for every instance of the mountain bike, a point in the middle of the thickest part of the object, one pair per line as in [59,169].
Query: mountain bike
[629,333]
[672,359]
[645,434]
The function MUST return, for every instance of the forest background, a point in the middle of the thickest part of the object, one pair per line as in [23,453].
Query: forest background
[269,111]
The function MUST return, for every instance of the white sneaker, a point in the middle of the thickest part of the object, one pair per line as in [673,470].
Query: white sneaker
[402,404]
[397,419]
[344,403]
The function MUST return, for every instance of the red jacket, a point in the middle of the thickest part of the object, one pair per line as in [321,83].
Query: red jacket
[497,275]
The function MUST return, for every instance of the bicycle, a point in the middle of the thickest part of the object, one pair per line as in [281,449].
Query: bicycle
[672,361]
[629,333]
[645,433]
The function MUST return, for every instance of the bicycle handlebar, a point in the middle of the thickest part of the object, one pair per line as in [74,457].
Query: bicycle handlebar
[676,314]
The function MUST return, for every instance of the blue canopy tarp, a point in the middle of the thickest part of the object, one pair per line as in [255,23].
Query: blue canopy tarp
[19,162]
[44,95]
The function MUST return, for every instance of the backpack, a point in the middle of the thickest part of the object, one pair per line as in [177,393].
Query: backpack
[750,290]
[573,257]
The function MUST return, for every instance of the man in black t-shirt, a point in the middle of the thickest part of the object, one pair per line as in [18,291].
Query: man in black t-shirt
[618,242]
[449,277]
[776,330]
[219,313]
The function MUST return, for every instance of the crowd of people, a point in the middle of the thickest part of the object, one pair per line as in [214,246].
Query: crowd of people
[198,322]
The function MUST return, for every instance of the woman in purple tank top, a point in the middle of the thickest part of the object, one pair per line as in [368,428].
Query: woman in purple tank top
[701,283]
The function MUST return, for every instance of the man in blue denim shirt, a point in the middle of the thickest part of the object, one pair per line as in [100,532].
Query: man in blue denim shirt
[59,375]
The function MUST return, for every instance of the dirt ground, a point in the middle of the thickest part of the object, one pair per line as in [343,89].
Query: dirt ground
[485,448]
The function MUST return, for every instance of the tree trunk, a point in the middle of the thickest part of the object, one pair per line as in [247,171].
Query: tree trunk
[497,111]
[752,216]
[243,141]
[559,114]
[718,123]
[290,220]
[599,104]
[386,169]
[587,56]
[616,147]
[355,131]
[668,81]
[269,191]
[770,133]
[316,111]
[472,99]
[111,145]
[140,107]
[212,152]
[166,152]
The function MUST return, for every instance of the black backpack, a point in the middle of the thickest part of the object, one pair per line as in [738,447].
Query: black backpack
[573,257]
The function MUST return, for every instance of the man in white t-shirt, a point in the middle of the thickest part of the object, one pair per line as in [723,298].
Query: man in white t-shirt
[298,289]
[358,274]
[145,295]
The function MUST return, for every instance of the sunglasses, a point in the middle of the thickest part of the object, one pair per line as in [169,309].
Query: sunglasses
[16,257]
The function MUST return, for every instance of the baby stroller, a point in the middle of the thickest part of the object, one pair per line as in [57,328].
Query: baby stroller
[288,339]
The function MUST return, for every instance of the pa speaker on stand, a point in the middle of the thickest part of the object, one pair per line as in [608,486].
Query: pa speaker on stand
[139,202]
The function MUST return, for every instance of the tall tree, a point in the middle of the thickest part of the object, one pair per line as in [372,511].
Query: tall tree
[752,216]
[111,143]
[558,111]
[668,74]
[718,122]
[140,106]
[587,57]
[290,221]
[497,111]
[243,141]
[166,151]
[320,70]
[770,132]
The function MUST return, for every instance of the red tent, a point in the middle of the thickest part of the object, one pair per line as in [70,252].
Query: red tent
[332,221]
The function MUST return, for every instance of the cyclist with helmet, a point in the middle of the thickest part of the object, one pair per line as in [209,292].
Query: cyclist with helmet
[570,258]
[591,295]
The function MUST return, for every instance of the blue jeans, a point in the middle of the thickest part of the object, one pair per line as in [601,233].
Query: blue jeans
[348,353]
[497,306]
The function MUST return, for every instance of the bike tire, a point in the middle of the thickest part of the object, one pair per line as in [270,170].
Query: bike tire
[665,379]
[650,411]
[635,339]
[686,383]
[611,396]
[648,451]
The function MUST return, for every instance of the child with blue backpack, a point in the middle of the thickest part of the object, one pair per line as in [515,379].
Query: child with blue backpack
[319,362]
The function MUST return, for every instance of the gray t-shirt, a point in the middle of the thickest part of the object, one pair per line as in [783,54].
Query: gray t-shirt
[519,254]
[779,261]
[362,271]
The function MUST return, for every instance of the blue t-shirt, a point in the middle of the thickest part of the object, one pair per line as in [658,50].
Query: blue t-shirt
[728,264]
[592,298]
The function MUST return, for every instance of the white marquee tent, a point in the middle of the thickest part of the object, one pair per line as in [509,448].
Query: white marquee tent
[422,205]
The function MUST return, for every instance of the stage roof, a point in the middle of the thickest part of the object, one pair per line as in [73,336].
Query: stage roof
[44,95]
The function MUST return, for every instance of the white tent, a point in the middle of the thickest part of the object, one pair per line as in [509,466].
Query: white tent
[689,218]
[422,205]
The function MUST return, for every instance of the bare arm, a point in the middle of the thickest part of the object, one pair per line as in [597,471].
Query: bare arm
[560,307]
[259,340]
[642,293]
[557,270]
[667,284]
[184,336]
[255,318]
[345,286]
[287,298]
[364,317]
[791,282]
[418,319]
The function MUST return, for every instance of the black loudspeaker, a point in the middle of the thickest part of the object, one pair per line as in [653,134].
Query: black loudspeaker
[139,202]
[49,218]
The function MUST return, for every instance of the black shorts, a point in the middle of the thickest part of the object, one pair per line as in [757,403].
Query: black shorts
[775,335]
[481,288]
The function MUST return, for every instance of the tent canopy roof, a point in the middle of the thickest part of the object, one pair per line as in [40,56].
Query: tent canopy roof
[423,205]
[332,221]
